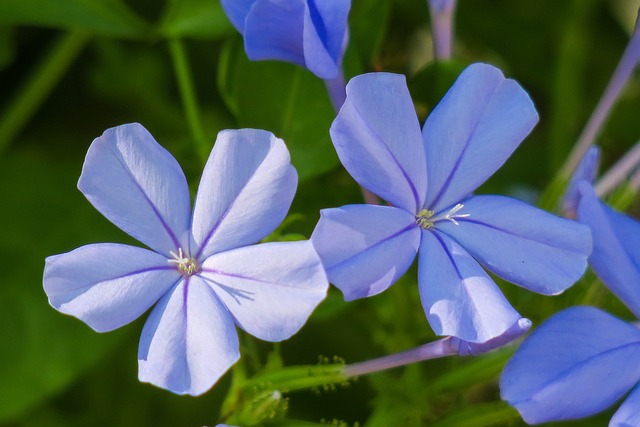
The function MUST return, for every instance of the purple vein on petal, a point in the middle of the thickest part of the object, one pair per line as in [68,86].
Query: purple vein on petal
[233,292]
[240,276]
[567,372]
[390,237]
[502,230]
[209,236]
[166,227]
[131,273]
[453,263]
[455,167]
[414,191]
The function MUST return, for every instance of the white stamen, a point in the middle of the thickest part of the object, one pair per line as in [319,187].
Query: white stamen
[186,266]
[425,218]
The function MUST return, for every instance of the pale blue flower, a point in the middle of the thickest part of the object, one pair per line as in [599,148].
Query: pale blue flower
[310,33]
[428,179]
[582,360]
[202,271]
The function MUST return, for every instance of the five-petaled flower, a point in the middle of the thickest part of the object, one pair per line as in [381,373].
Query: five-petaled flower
[428,179]
[582,360]
[204,272]
[309,33]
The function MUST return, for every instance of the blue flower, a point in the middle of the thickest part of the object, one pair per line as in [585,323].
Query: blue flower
[585,171]
[309,33]
[428,178]
[582,360]
[201,273]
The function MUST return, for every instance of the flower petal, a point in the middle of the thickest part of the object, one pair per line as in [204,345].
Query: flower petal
[585,171]
[107,285]
[325,34]
[246,189]
[377,137]
[458,297]
[365,248]
[472,131]
[237,11]
[628,415]
[138,186]
[274,30]
[616,254]
[522,244]
[189,340]
[575,364]
[270,289]
[466,348]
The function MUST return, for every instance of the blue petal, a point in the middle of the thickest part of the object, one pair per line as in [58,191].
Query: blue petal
[237,11]
[377,137]
[525,245]
[274,30]
[325,36]
[246,189]
[474,129]
[189,340]
[458,297]
[575,364]
[107,285]
[138,186]
[616,247]
[465,348]
[270,289]
[365,248]
[585,171]
[628,415]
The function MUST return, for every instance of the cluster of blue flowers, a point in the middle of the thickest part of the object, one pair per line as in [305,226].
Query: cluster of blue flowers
[206,273]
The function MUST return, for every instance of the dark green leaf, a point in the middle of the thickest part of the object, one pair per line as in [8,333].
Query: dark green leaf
[42,350]
[105,17]
[195,18]
[284,99]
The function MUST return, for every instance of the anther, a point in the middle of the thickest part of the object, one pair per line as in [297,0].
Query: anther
[186,266]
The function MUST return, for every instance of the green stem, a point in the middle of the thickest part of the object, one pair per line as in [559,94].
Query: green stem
[293,378]
[188,95]
[43,79]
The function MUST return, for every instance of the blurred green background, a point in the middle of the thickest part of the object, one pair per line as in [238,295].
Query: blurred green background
[69,69]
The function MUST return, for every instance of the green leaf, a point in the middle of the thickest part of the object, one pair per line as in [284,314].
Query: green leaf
[104,17]
[202,19]
[42,350]
[480,415]
[368,21]
[7,47]
[430,84]
[284,99]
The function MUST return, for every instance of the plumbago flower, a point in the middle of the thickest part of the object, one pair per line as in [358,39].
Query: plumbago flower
[428,178]
[202,272]
[310,33]
[582,360]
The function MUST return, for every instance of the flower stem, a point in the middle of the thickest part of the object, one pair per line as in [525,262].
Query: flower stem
[621,75]
[442,12]
[618,172]
[337,90]
[188,95]
[43,79]
[444,347]
[432,350]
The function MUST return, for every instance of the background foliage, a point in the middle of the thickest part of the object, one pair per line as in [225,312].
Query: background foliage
[72,68]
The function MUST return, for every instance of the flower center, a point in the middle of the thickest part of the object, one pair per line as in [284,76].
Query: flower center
[426,219]
[186,266]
